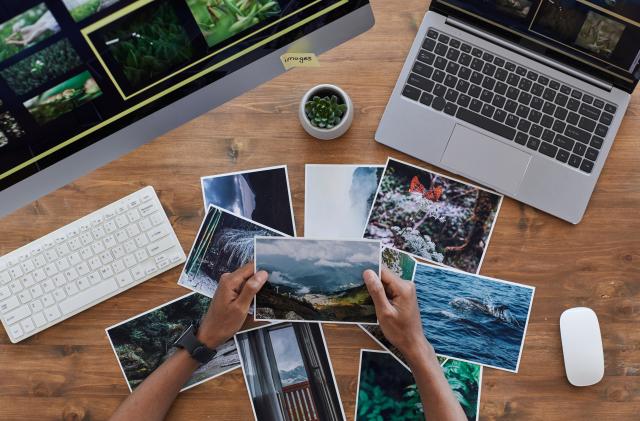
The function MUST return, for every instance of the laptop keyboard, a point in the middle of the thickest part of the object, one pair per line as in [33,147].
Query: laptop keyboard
[509,100]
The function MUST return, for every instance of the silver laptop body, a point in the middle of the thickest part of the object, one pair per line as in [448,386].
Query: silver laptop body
[484,156]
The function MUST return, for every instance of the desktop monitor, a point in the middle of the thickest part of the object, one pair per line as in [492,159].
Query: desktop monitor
[85,81]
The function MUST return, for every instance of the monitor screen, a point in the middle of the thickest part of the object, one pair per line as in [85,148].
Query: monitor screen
[604,34]
[73,72]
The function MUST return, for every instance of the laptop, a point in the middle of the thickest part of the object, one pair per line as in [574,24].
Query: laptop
[523,96]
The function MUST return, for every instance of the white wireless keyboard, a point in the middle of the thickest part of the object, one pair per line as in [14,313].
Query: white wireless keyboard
[85,263]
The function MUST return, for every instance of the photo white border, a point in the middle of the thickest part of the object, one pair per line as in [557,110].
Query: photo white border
[113,348]
[326,350]
[306,185]
[355,240]
[200,229]
[377,351]
[524,332]
[495,221]
[276,167]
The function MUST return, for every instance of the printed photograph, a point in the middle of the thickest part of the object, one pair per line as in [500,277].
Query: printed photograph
[388,391]
[338,199]
[473,318]
[42,67]
[224,243]
[261,195]
[63,98]
[404,266]
[600,34]
[219,20]
[433,217]
[26,30]
[316,280]
[4,141]
[147,44]
[82,9]
[9,126]
[288,373]
[144,342]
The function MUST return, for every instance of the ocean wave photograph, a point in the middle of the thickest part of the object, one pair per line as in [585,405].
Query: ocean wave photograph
[338,199]
[473,318]
[317,280]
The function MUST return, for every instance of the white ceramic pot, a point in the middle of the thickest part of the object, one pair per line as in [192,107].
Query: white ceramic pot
[337,131]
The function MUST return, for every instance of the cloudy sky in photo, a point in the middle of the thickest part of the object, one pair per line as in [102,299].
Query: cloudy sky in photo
[330,253]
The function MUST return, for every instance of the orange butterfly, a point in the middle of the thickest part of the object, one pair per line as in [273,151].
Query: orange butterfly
[433,194]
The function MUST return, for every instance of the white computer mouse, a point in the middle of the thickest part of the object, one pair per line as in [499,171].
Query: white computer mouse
[582,346]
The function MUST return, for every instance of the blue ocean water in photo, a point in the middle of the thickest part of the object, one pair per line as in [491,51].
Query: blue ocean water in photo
[472,318]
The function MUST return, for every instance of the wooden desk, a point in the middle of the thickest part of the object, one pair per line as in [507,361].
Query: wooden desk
[69,372]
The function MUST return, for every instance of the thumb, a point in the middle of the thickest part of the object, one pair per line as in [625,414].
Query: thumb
[251,287]
[376,290]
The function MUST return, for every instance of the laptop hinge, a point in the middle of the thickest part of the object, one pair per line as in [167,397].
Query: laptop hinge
[530,54]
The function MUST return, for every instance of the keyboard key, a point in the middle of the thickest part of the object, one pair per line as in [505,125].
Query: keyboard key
[576,94]
[486,96]
[536,103]
[522,111]
[476,52]
[543,80]
[524,125]
[601,130]
[124,279]
[606,119]
[546,121]
[501,88]
[589,111]
[451,96]
[453,55]
[14,316]
[536,130]
[610,108]
[597,142]
[548,135]
[561,100]
[510,66]
[513,79]
[440,63]
[488,83]
[425,99]
[16,331]
[487,110]
[577,134]
[476,105]
[561,113]
[443,38]
[463,100]
[586,166]
[39,319]
[475,91]
[559,126]
[498,61]
[533,143]
[88,296]
[598,103]
[587,124]
[429,44]
[466,48]
[419,68]
[426,57]
[548,149]
[432,34]
[485,123]
[441,50]
[548,108]
[532,75]
[52,313]
[476,78]
[562,156]
[512,120]
[513,93]
[573,104]
[535,116]
[564,142]
[438,76]
[592,154]
[501,75]
[450,108]
[554,85]
[521,71]
[450,81]
[439,90]
[500,116]
[464,59]
[565,89]
[498,101]
[454,43]
[549,94]
[579,149]
[464,73]
[573,118]
[521,138]
[574,161]
[525,84]
[537,89]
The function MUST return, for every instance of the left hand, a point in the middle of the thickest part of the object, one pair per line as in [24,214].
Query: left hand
[230,305]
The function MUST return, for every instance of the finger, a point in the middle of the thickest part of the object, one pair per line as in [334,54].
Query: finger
[251,287]
[246,271]
[376,290]
[391,282]
[235,280]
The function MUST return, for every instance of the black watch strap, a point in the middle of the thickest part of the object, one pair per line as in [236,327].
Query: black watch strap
[198,351]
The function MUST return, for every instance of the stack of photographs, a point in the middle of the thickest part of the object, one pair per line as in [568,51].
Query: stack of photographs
[415,223]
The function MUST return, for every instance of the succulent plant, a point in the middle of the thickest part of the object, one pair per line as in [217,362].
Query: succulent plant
[325,112]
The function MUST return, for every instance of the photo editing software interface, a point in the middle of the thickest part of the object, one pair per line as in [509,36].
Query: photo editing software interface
[73,72]
[601,34]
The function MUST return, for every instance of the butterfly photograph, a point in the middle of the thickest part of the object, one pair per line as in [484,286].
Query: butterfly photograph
[433,217]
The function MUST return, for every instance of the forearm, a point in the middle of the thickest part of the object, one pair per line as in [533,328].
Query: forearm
[438,400]
[153,398]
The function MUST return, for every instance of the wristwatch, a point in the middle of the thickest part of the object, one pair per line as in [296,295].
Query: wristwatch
[198,351]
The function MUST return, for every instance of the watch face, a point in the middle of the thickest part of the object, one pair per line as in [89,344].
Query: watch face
[201,354]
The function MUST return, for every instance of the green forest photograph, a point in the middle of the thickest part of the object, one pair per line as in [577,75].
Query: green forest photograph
[221,19]
[387,390]
[147,44]
[26,29]
[63,98]
[41,67]
[82,9]
[144,342]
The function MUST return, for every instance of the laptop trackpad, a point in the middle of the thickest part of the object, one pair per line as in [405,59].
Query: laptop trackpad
[488,160]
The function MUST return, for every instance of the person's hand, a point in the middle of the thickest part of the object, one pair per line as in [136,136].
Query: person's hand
[397,311]
[230,305]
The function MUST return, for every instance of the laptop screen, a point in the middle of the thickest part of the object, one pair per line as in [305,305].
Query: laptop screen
[601,33]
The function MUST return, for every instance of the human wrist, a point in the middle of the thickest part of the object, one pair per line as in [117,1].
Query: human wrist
[211,339]
[418,351]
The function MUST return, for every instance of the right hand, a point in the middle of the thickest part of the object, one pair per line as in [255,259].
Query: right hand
[397,311]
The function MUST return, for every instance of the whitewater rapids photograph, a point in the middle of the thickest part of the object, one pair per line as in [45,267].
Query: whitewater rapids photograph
[316,280]
[473,318]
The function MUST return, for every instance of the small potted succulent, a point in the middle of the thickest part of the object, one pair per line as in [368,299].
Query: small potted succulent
[326,112]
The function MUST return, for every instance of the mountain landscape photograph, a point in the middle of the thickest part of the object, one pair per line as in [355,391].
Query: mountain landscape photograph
[318,280]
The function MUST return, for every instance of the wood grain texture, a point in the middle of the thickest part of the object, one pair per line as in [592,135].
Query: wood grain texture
[69,372]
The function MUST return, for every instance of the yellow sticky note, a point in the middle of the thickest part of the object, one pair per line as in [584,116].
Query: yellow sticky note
[291,60]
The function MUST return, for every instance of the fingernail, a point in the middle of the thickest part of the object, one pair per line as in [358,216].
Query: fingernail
[261,276]
[370,276]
